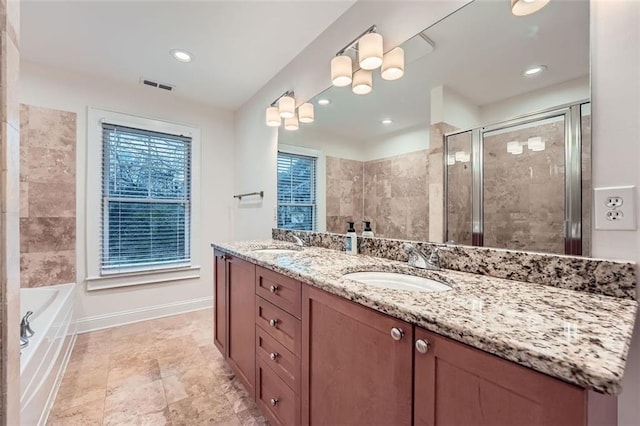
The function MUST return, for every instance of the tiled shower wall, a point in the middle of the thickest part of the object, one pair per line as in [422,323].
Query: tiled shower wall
[391,192]
[47,196]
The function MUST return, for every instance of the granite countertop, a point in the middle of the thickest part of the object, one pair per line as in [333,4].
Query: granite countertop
[579,337]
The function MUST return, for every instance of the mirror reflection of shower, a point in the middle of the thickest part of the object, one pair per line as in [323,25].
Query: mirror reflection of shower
[522,184]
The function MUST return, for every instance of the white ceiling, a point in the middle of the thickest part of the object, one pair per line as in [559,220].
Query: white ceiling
[238,46]
[480,53]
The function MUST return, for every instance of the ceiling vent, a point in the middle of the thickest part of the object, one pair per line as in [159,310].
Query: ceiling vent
[151,83]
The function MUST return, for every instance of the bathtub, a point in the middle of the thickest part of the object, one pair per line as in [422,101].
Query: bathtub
[42,363]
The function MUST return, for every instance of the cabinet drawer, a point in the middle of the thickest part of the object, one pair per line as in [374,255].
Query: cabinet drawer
[282,291]
[283,327]
[275,398]
[281,360]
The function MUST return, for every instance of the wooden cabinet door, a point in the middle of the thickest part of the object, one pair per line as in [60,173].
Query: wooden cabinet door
[459,385]
[220,302]
[241,343]
[353,371]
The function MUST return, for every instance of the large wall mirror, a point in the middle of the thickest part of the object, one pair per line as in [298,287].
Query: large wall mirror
[471,145]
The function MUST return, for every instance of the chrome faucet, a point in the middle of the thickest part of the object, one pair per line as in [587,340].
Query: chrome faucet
[297,240]
[25,330]
[418,259]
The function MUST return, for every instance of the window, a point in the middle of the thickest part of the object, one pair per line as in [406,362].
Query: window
[146,199]
[296,192]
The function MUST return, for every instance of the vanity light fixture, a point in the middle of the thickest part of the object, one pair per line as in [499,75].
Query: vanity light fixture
[274,112]
[362,82]
[181,55]
[287,106]
[324,102]
[370,51]
[514,148]
[536,69]
[527,7]
[451,160]
[536,144]
[273,117]
[291,123]
[393,64]
[341,70]
[462,157]
[305,113]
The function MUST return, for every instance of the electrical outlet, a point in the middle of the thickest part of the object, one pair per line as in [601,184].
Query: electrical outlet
[613,202]
[615,208]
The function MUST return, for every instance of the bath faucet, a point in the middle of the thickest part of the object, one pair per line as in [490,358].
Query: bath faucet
[25,328]
[418,259]
[297,240]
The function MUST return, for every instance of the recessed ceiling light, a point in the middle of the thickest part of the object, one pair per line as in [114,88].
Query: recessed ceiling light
[324,101]
[181,55]
[536,69]
[387,121]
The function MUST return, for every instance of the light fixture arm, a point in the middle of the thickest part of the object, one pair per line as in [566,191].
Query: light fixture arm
[287,93]
[371,29]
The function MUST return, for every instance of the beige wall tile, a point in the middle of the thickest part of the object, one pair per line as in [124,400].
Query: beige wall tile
[52,200]
[48,234]
[48,268]
[53,129]
[51,165]
[24,199]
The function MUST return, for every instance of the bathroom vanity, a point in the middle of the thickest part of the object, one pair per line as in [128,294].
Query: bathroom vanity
[315,348]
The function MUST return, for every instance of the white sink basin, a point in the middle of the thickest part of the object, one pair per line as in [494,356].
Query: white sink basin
[276,250]
[397,281]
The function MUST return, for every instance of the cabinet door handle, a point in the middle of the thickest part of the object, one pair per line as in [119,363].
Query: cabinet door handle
[274,355]
[396,333]
[422,346]
[273,322]
[274,401]
[273,289]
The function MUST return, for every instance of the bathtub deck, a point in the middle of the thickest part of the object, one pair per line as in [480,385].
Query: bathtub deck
[164,371]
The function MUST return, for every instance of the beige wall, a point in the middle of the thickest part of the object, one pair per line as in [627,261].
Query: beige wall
[9,213]
[47,196]
[344,194]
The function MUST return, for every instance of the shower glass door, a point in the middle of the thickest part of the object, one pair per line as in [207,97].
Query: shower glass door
[524,185]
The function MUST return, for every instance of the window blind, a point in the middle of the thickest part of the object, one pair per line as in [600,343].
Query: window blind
[296,192]
[146,199]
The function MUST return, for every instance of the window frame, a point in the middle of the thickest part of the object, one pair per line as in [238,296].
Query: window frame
[96,278]
[320,213]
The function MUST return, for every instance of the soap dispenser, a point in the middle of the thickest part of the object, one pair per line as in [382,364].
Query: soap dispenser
[351,240]
[367,229]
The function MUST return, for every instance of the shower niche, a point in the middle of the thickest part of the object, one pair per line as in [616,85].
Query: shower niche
[522,184]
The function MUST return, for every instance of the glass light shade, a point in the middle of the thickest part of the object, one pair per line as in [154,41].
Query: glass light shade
[514,147]
[370,51]
[466,158]
[305,113]
[451,160]
[287,107]
[536,144]
[527,7]
[273,117]
[341,70]
[362,82]
[393,64]
[291,123]
[517,150]
[459,156]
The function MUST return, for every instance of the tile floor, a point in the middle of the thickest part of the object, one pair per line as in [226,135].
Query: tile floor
[161,372]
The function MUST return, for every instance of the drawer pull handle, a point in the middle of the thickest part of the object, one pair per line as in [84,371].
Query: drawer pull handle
[273,323]
[422,346]
[396,333]
[273,289]
[274,401]
[274,355]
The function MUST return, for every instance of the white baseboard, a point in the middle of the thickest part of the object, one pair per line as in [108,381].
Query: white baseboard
[115,319]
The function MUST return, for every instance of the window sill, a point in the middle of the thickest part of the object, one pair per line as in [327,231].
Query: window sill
[142,278]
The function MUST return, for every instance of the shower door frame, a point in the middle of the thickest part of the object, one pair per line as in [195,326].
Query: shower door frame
[571,113]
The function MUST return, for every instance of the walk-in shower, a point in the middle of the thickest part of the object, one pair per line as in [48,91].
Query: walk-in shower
[522,184]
